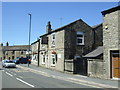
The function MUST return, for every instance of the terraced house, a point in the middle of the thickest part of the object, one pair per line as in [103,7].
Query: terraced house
[62,49]
[12,52]
[35,52]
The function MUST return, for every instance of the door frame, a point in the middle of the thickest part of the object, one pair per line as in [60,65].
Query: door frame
[112,52]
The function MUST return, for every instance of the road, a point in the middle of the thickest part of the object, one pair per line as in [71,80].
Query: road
[21,78]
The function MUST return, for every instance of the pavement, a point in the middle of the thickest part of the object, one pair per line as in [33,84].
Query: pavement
[89,81]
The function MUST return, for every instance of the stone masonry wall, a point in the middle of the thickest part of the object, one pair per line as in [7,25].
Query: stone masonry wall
[110,39]
[95,68]
[71,48]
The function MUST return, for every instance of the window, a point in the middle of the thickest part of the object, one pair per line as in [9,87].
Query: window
[21,52]
[43,59]
[80,38]
[13,52]
[53,39]
[12,57]
[53,59]
[4,57]
[9,58]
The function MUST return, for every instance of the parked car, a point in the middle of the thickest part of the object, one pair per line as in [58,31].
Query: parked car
[24,60]
[16,61]
[8,63]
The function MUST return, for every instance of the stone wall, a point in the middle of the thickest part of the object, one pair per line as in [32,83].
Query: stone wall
[95,68]
[47,50]
[110,38]
[71,48]
[69,65]
[98,31]
[34,48]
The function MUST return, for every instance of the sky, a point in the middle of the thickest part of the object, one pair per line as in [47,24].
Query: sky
[15,18]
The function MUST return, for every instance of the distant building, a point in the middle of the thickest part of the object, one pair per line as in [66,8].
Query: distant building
[12,52]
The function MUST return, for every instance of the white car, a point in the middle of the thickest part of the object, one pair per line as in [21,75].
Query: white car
[8,63]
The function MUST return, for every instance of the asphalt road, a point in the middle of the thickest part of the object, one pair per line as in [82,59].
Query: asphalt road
[20,78]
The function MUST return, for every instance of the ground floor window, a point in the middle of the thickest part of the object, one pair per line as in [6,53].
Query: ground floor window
[4,57]
[12,57]
[9,58]
[43,59]
[53,59]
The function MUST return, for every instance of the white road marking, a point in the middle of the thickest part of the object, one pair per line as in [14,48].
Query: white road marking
[9,74]
[20,76]
[25,82]
[86,83]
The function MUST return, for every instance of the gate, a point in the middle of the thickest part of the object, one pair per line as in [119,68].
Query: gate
[80,66]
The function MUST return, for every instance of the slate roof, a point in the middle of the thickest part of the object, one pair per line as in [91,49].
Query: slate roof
[95,26]
[16,47]
[110,10]
[35,42]
[62,28]
[98,51]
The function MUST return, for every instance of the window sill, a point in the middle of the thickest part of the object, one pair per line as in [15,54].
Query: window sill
[52,65]
[43,63]
[80,44]
[52,46]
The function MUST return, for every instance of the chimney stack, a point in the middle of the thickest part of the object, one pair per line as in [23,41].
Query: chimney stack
[7,44]
[48,27]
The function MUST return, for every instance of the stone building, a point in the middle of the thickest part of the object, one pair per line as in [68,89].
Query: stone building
[104,61]
[12,52]
[62,49]
[111,42]
[98,35]
[35,52]
[95,57]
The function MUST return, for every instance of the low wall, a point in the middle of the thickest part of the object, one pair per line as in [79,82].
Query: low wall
[95,68]
[69,66]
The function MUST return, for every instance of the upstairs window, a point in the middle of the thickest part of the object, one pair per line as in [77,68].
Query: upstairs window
[53,39]
[13,52]
[80,38]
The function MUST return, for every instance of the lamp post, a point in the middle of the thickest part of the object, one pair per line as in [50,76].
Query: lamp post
[29,37]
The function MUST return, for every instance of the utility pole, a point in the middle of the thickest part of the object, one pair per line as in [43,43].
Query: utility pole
[38,51]
[29,37]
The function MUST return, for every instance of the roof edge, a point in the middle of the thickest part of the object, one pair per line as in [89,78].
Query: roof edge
[110,10]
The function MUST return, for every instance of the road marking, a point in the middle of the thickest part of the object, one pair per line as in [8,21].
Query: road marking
[20,76]
[9,74]
[86,83]
[25,82]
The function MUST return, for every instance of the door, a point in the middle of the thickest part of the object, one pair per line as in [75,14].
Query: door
[115,65]
[80,66]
